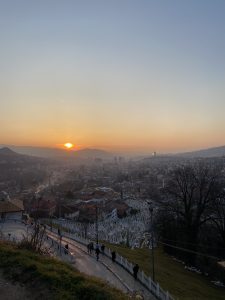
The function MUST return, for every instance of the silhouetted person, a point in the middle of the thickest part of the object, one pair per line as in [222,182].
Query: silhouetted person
[66,249]
[97,251]
[135,270]
[113,256]
[91,247]
[103,248]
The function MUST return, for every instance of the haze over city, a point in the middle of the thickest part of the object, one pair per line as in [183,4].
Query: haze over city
[117,75]
[112,150]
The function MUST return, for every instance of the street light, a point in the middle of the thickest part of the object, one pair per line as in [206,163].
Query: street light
[152,239]
[96,223]
[60,241]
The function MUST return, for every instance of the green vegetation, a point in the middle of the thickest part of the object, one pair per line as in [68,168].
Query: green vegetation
[50,279]
[171,275]
[56,226]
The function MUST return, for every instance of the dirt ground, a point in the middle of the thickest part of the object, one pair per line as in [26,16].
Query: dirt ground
[11,291]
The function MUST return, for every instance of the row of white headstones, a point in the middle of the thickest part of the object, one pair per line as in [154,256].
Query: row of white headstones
[130,230]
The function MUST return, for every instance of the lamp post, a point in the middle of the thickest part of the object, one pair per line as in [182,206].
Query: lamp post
[60,241]
[96,223]
[152,239]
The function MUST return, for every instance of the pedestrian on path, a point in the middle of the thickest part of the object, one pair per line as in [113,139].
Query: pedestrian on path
[135,270]
[59,232]
[113,256]
[66,249]
[97,251]
[91,247]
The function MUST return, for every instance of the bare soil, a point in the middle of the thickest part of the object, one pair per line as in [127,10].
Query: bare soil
[13,291]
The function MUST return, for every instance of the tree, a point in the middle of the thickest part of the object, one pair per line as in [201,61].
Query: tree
[218,217]
[192,190]
[34,239]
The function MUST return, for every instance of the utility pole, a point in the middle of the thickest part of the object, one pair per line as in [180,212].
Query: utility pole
[152,240]
[51,222]
[60,241]
[96,223]
[60,245]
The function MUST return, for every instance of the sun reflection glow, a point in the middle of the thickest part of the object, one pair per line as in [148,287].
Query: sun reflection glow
[68,145]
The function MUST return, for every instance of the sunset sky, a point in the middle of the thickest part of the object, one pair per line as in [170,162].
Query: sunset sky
[144,75]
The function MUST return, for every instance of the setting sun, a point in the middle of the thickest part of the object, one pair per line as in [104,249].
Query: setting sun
[68,145]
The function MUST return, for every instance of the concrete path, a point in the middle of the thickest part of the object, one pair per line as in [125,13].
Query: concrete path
[105,269]
[85,262]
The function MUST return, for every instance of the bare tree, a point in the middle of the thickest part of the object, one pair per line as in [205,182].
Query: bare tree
[192,190]
[218,217]
[34,240]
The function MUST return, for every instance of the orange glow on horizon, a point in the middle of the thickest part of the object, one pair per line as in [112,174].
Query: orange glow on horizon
[68,145]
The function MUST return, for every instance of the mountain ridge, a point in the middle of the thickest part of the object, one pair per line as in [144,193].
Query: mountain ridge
[46,152]
[91,153]
[7,151]
[208,152]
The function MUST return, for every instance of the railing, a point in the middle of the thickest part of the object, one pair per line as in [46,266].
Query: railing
[62,251]
[145,280]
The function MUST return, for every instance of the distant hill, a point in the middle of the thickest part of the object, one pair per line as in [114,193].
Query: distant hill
[19,170]
[92,153]
[5,151]
[59,153]
[12,158]
[210,152]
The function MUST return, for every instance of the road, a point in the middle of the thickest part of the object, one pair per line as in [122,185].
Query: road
[87,264]
[104,269]
[119,277]
[83,262]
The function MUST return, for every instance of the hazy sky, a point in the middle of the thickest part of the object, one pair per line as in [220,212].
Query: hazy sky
[139,75]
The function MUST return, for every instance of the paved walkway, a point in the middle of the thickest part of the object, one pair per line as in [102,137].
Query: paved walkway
[87,263]
[105,269]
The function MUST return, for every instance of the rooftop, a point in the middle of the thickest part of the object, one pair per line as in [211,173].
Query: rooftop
[11,206]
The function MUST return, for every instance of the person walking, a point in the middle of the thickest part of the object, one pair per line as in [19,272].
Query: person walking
[135,271]
[91,247]
[97,251]
[113,256]
[59,232]
[66,249]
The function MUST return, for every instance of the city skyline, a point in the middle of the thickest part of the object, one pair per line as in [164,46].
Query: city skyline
[116,75]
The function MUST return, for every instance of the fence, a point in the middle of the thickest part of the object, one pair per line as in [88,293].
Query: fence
[146,281]
[60,250]
[67,255]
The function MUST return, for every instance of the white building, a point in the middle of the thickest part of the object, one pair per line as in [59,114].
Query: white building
[11,209]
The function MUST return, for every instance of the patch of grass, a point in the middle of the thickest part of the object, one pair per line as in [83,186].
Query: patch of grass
[56,226]
[171,275]
[50,279]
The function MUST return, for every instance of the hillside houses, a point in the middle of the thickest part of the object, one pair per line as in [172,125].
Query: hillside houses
[10,209]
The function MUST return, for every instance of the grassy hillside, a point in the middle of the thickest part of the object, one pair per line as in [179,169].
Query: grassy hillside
[172,276]
[51,279]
